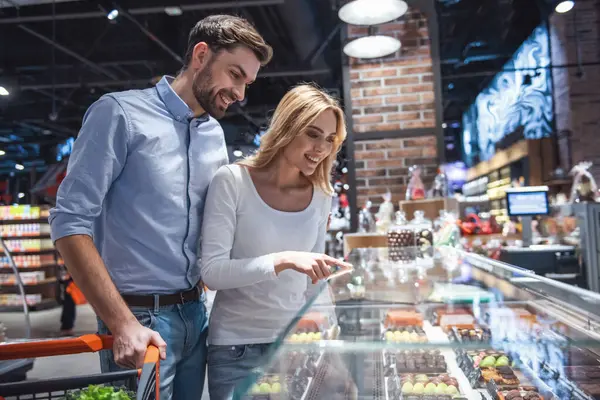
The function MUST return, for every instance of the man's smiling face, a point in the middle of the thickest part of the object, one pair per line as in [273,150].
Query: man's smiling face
[224,78]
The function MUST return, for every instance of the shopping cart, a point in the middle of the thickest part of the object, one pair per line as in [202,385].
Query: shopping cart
[143,382]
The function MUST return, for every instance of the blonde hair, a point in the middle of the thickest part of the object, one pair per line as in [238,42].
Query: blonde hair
[295,112]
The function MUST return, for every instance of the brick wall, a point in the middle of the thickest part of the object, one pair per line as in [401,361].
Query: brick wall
[577,96]
[396,93]
[393,95]
[383,164]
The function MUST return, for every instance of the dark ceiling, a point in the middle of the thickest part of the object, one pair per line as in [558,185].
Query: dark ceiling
[56,67]
[477,37]
[56,59]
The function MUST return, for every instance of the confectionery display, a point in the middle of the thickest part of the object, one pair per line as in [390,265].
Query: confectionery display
[465,333]
[522,393]
[268,385]
[401,240]
[476,334]
[403,318]
[408,334]
[421,386]
[423,361]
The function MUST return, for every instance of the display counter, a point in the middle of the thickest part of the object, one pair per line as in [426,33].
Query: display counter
[455,326]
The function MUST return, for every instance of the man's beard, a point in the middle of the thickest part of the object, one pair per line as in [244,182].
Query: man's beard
[202,89]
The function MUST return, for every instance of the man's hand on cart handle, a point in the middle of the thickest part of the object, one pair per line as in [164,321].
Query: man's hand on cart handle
[131,342]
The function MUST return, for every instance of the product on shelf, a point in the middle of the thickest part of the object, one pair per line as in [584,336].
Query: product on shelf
[401,240]
[33,261]
[444,315]
[583,374]
[522,393]
[268,385]
[24,230]
[402,318]
[28,245]
[406,334]
[423,231]
[15,299]
[27,278]
[477,334]
[22,212]
[421,361]
[415,189]
[419,384]
[502,376]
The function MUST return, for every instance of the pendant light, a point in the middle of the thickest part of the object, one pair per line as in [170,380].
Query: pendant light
[372,12]
[375,46]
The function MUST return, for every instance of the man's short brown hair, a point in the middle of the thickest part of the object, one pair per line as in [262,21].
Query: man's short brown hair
[226,32]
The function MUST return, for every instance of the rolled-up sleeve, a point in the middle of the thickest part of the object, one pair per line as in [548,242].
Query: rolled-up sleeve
[98,157]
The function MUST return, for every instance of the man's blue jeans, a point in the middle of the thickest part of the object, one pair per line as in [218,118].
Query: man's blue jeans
[184,328]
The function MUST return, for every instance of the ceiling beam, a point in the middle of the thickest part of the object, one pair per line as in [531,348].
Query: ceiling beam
[143,82]
[73,54]
[142,11]
[152,36]
[43,67]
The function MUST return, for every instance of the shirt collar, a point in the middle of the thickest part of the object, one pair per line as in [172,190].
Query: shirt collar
[174,103]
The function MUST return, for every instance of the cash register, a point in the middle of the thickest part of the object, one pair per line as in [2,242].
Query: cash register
[554,261]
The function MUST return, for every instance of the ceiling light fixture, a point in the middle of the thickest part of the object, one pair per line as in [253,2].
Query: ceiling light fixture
[237,152]
[372,47]
[20,167]
[3,91]
[112,14]
[564,6]
[173,11]
[372,12]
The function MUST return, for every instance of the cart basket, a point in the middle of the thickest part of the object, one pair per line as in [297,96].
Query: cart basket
[145,382]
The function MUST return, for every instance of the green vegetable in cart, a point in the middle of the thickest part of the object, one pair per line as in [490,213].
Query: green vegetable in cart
[96,392]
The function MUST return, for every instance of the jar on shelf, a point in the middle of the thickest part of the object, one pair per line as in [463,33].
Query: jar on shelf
[401,240]
[423,232]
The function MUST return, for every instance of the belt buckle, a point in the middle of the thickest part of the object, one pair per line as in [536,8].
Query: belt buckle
[181,297]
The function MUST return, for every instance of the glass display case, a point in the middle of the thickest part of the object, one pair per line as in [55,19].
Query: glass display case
[459,326]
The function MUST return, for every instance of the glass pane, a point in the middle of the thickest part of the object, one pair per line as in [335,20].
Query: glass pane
[455,325]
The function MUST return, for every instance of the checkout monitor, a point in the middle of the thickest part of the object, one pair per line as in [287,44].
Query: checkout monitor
[527,201]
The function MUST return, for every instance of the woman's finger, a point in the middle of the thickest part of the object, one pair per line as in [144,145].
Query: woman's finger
[325,270]
[334,261]
[317,268]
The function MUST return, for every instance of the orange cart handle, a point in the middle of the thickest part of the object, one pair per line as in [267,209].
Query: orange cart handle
[48,348]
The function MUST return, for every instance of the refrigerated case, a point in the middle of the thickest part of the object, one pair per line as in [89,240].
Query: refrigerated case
[458,326]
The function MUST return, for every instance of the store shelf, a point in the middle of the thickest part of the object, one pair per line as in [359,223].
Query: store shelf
[31,252]
[559,182]
[26,237]
[46,281]
[45,304]
[4,270]
[24,221]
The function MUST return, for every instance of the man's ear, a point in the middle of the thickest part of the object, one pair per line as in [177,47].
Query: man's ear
[200,55]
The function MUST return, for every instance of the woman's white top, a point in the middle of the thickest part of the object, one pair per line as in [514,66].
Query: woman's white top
[239,234]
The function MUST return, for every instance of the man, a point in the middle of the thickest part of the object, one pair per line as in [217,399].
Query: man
[128,213]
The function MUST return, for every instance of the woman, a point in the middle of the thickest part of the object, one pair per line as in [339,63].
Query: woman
[263,233]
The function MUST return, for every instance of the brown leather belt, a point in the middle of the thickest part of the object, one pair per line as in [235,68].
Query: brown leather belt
[155,301]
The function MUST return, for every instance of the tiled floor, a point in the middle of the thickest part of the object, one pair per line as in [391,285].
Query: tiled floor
[46,324]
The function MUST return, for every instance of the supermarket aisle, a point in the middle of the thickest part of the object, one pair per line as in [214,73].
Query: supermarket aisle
[45,324]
